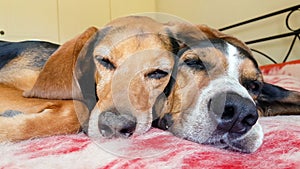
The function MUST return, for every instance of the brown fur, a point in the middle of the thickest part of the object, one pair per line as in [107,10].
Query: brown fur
[44,115]
[39,118]
[55,80]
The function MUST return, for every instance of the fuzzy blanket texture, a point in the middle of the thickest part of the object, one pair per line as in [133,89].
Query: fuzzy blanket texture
[160,149]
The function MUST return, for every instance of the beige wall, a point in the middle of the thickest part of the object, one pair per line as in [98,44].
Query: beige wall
[218,14]
[77,15]
[61,20]
[30,19]
[129,7]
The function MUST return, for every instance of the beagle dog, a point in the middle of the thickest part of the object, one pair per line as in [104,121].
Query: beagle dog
[193,81]
[135,63]
[219,92]
[117,71]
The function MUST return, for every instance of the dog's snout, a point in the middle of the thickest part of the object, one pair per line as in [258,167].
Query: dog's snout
[234,113]
[116,125]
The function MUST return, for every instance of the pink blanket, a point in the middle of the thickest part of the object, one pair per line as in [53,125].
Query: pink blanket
[159,149]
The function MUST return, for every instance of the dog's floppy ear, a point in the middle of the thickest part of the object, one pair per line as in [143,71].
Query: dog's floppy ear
[275,100]
[56,78]
[185,34]
[84,86]
[214,33]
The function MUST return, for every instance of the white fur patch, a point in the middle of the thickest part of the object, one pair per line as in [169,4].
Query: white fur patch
[229,82]
[233,61]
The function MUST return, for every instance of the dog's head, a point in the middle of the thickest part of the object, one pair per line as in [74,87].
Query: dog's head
[130,60]
[117,71]
[213,99]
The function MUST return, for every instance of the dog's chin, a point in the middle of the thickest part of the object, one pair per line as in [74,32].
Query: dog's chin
[247,143]
[144,122]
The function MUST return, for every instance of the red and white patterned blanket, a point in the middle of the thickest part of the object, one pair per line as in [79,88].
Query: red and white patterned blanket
[159,149]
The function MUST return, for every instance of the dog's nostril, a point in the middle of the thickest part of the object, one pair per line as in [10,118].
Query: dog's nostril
[127,125]
[228,113]
[106,131]
[249,120]
[127,132]
[222,141]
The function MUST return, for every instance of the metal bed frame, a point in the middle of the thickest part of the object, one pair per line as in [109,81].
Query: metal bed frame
[292,32]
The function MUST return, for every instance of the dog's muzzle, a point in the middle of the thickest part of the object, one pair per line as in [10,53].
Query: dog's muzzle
[111,124]
[235,116]
[234,113]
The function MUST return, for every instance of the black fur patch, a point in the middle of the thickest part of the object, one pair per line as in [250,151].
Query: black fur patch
[159,102]
[37,51]
[10,113]
[7,52]
[175,50]
[85,70]
[272,93]
[275,100]
[164,123]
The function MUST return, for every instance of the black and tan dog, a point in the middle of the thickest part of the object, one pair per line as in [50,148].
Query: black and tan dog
[83,72]
[128,67]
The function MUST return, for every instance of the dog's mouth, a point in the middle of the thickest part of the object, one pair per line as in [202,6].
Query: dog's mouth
[226,142]
[245,143]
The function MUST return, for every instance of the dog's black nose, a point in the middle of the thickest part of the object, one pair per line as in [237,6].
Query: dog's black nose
[116,125]
[234,113]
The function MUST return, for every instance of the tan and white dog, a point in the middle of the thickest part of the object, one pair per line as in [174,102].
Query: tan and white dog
[212,101]
[219,92]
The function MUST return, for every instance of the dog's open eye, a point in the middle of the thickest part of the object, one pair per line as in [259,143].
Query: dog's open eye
[195,64]
[157,74]
[105,62]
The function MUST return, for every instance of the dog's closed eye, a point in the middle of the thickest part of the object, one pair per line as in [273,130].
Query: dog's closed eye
[157,74]
[195,64]
[105,62]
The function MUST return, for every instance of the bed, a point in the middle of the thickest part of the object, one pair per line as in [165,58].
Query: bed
[160,149]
